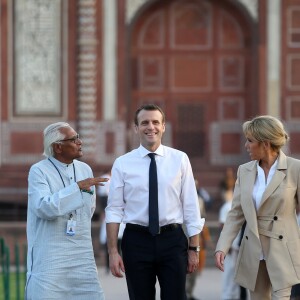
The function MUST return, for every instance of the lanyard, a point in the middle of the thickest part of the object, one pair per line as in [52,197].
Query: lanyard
[86,191]
[59,172]
[71,215]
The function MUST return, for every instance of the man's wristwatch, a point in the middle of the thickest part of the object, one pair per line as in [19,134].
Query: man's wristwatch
[195,248]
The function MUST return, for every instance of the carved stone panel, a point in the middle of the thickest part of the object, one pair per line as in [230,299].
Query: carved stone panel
[293,26]
[191,25]
[226,143]
[231,73]
[293,108]
[231,108]
[290,75]
[151,73]
[191,73]
[37,57]
[293,72]
[230,33]
[153,33]
[191,133]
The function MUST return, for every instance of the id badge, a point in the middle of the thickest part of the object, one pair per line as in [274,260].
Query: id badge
[71,227]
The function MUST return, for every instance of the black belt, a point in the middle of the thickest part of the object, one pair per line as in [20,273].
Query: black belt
[162,229]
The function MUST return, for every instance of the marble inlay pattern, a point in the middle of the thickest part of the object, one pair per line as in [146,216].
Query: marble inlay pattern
[37,46]
[87,74]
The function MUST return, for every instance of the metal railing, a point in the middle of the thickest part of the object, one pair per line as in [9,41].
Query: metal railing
[12,275]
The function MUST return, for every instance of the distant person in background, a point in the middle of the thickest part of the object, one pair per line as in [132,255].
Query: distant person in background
[103,242]
[102,193]
[207,199]
[205,240]
[227,184]
[61,203]
[230,289]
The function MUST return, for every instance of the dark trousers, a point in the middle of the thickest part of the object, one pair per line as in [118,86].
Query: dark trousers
[295,294]
[148,257]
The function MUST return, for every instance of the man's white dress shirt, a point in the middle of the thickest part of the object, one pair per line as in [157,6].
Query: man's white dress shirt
[128,199]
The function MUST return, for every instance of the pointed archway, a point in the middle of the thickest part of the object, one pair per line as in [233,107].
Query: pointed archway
[196,59]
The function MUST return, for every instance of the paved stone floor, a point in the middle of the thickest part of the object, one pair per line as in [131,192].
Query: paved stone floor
[208,285]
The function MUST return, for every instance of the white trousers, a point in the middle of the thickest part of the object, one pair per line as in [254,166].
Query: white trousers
[230,289]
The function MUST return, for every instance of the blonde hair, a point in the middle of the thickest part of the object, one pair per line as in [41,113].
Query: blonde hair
[266,128]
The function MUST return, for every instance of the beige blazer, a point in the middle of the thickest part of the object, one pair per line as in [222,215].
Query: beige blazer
[273,228]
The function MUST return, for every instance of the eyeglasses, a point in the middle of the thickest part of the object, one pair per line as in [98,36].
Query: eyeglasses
[74,139]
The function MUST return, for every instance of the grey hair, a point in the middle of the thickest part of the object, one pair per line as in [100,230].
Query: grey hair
[53,134]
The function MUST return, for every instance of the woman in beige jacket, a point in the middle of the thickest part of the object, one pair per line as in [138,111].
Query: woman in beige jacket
[266,194]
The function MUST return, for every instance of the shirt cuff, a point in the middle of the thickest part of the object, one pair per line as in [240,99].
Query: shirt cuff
[193,230]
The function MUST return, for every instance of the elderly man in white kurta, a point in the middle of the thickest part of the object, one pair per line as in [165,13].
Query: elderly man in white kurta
[61,202]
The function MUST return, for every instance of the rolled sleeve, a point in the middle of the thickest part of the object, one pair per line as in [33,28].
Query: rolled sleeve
[193,230]
[192,215]
[114,211]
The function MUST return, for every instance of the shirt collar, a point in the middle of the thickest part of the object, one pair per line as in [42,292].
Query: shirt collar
[273,167]
[143,151]
[59,163]
[271,172]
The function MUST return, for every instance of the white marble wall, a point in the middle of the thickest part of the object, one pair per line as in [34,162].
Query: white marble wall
[273,56]
[110,60]
[252,7]
[134,5]
[86,75]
